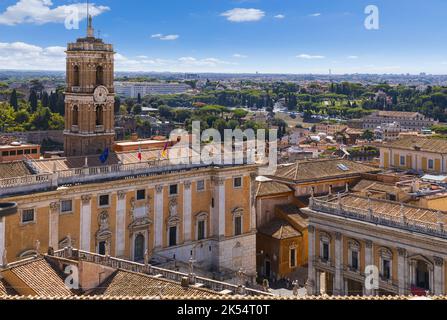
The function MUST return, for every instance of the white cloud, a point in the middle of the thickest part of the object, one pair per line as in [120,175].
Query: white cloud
[317,14]
[25,56]
[207,62]
[353,57]
[41,12]
[169,37]
[239,56]
[309,57]
[243,15]
[280,16]
[20,55]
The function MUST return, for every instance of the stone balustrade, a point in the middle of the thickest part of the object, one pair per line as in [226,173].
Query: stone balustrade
[218,286]
[330,205]
[45,181]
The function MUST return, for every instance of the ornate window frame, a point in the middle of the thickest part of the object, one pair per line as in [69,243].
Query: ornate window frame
[99,203]
[238,213]
[325,238]
[24,223]
[353,246]
[202,217]
[385,254]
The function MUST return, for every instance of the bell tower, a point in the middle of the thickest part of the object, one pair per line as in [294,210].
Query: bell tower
[89,96]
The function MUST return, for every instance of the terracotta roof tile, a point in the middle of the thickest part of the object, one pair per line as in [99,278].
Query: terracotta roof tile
[279,229]
[429,144]
[39,276]
[318,169]
[126,283]
[13,169]
[266,188]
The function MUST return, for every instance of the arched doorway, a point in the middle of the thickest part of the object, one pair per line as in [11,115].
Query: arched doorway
[139,247]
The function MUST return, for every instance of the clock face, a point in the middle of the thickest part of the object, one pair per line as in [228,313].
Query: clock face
[100,94]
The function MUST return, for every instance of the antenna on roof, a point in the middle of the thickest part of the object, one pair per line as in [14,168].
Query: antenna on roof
[90,31]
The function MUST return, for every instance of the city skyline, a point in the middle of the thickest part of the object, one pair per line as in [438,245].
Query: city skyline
[240,36]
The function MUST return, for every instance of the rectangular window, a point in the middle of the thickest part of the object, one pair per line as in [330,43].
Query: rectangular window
[12,153]
[355,260]
[402,160]
[173,189]
[325,255]
[141,194]
[201,230]
[172,236]
[237,226]
[104,200]
[27,215]
[5,153]
[19,152]
[237,182]
[386,269]
[431,164]
[34,151]
[27,151]
[292,258]
[201,185]
[66,206]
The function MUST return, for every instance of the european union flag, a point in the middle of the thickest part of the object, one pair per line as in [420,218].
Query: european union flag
[104,156]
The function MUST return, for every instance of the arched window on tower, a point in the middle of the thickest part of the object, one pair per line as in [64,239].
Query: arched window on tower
[99,116]
[99,76]
[76,76]
[75,116]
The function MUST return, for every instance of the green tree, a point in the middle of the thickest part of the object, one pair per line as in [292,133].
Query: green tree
[33,100]
[13,101]
[368,135]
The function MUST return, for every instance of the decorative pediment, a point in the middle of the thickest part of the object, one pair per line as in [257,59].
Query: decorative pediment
[202,216]
[27,254]
[140,223]
[173,221]
[238,212]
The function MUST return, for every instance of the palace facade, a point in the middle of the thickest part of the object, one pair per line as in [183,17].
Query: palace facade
[348,233]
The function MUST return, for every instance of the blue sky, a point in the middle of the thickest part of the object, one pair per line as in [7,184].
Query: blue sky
[273,36]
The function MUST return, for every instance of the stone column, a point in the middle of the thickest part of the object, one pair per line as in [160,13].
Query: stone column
[311,279]
[438,286]
[187,218]
[253,202]
[338,279]
[401,270]
[220,203]
[2,239]
[120,245]
[86,222]
[53,225]
[369,261]
[158,207]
